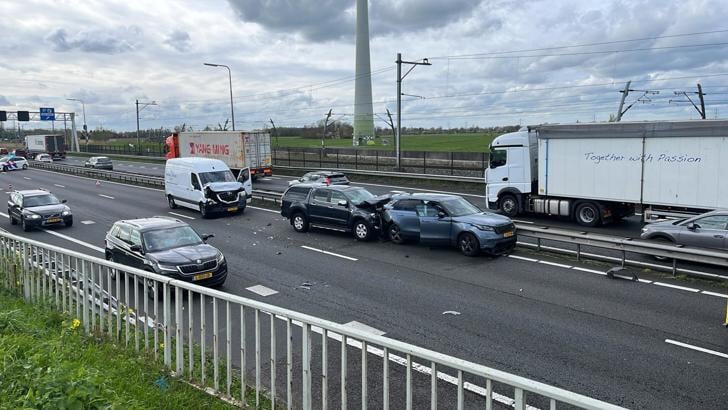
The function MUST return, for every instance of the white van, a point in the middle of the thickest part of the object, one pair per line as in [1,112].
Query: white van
[206,185]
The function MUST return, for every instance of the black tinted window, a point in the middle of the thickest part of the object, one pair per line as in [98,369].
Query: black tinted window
[322,195]
[407,205]
[297,193]
[498,158]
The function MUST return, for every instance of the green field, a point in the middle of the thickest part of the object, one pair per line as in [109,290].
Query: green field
[476,142]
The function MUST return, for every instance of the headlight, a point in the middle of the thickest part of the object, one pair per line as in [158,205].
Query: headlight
[164,268]
[33,216]
[66,213]
[483,227]
[644,230]
[220,258]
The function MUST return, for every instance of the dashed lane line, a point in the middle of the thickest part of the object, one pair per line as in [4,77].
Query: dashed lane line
[106,196]
[720,295]
[365,328]
[59,185]
[696,348]
[558,265]
[669,285]
[264,209]
[27,178]
[329,253]
[181,215]
[88,222]
[523,258]
[262,290]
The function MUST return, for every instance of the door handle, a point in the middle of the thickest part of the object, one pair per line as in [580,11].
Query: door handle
[718,236]
[505,179]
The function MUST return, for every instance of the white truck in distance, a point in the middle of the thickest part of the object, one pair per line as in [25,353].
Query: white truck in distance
[601,172]
[237,149]
[54,145]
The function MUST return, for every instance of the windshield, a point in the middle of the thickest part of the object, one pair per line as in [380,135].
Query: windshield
[169,238]
[498,157]
[4,159]
[358,195]
[216,176]
[40,200]
[459,207]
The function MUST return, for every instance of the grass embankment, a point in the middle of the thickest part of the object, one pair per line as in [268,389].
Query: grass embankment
[46,362]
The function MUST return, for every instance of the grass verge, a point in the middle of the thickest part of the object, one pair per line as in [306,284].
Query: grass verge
[47,362]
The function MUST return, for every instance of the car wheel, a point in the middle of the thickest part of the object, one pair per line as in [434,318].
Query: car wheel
[25,166]
[663,241]
[587,214]
[170,201]
[468,244]
[5,168]
[509,205]
[362,231]
[13,221]
[110,258]
[25,226]
[299,222]
[69,223]
[395,234]
[203,211]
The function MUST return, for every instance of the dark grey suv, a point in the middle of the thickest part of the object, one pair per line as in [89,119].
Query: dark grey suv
[168,247]
[336,206]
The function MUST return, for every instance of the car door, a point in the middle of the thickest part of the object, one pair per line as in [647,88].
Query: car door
[318,206]
[404,214]
[14,206]
[435,224]
[136,258]
[707,232]
[339,211]
[193,192]
[122,242]
[244,178]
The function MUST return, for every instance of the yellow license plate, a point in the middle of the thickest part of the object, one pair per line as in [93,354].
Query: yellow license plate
[233,209]
[53,220]
[508,234]
[202,276]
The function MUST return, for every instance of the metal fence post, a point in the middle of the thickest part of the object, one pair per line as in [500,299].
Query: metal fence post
[306,365]
[167,323]
[452,163]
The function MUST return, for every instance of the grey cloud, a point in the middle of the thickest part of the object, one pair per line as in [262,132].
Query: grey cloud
[179,40]
[95,41]
[323,20]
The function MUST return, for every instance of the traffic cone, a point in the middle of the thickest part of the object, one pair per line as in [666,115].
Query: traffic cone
[98,183]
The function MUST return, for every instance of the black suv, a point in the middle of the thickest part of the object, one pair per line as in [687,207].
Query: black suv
[37,208]
[336,206]
[168,247]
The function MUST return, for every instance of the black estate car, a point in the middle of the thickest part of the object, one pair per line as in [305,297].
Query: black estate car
[168,247]
[335,206]
[37,208]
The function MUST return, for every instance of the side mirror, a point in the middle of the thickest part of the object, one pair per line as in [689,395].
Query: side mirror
[207,236]
[441,214]
[63,201]
[343,203]
[136,248]
[692,226]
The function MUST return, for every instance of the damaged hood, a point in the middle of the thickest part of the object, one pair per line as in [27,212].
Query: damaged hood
[224,186]
[375,202]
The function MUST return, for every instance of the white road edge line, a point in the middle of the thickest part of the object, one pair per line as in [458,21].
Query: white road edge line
[559,265]
[668,285]
[697,348]
[415,366]
[181,216]
[27,178]
[329,253]
[263,209]
[68,238]
[106,196]
[589,270]
[720,295]
[523,258]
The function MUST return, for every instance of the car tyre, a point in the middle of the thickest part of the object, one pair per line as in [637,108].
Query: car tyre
[468,244]
[25,166]
[509,205]
[363,230]
[299,222]
[395,234]
[69,223]
[110,258]
[25,226]
[170,201]
[13,221]
[587,214]
[203,211]
[664,241]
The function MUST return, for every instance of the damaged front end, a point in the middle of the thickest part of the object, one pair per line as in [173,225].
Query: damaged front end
[225,196]
[375,206]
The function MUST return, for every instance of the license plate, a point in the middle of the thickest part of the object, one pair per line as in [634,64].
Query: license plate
[233,209]
[508,234]
[202,276]
[53,220]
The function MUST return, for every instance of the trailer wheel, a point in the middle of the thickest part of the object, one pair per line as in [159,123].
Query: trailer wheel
[509,205]
[587,214]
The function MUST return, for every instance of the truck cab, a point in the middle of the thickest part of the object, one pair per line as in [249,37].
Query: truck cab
[511,172]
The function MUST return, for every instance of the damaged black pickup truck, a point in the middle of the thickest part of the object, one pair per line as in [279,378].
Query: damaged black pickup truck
[338,207]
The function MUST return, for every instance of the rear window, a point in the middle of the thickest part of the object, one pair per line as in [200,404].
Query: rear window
[103,159]
[338,178]
[297,193]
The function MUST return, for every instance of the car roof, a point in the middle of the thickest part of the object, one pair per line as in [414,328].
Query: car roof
[153,223]
[334,187]
[425,196]
[325,173]
[33,192]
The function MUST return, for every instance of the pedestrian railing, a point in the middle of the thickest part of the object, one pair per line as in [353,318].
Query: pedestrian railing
[234,345]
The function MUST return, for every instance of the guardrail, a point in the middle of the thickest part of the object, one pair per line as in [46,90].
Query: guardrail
[674,253]
[394,174]
[203,335]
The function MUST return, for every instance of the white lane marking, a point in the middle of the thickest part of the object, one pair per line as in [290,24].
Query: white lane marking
[180,215]
[68,238]
[262,290]
[94,179]
[523,258]
[27,178]
[142,166]
[9,192]
[155,168]
[272,178]
[523,222]
[697,348]
[106,196]
[560,265]
[644,281]
[364,327]
[415,366]
[720,295]
[329,253]
[264,209]
[589,270]
[59,186]
[668,285]
[88,222]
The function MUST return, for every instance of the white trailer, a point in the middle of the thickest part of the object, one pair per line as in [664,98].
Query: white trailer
[601,172]
[238,149]
[55,145]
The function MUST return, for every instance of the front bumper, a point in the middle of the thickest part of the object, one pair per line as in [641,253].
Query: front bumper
[45,221]
[493,243]
[221,207]
[218,277]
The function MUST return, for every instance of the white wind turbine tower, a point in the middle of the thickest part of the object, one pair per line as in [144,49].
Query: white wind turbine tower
[363,110]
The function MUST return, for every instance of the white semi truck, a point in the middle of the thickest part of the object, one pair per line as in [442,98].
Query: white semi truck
[601,172]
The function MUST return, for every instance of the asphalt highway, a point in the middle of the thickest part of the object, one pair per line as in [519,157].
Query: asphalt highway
[551,320]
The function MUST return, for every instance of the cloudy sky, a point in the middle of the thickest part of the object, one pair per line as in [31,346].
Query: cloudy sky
[495,62]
